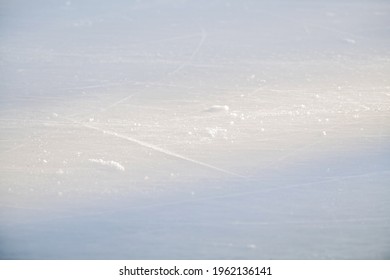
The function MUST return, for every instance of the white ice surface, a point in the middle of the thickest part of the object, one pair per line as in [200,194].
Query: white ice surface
[195,129]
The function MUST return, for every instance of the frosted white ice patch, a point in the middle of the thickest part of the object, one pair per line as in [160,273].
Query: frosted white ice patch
[217,108]
[216,131]
[60,171]
[350,41]
[110,163]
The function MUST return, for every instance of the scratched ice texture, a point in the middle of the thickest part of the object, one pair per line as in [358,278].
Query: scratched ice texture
[195,129]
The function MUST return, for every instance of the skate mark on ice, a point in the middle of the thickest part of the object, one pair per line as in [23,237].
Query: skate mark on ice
[157,148]
[192,56]
[116,103]
[181,66]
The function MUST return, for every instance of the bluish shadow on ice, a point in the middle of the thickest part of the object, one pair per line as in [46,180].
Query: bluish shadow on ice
[335,209]
[194,130]
[300,215]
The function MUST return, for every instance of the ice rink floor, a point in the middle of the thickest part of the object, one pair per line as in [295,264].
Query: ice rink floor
[195,129]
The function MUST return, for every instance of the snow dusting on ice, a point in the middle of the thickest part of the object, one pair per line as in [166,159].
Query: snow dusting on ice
[109,163]
[217,108]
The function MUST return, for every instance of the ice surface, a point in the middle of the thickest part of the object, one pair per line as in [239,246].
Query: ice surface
[195,129]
